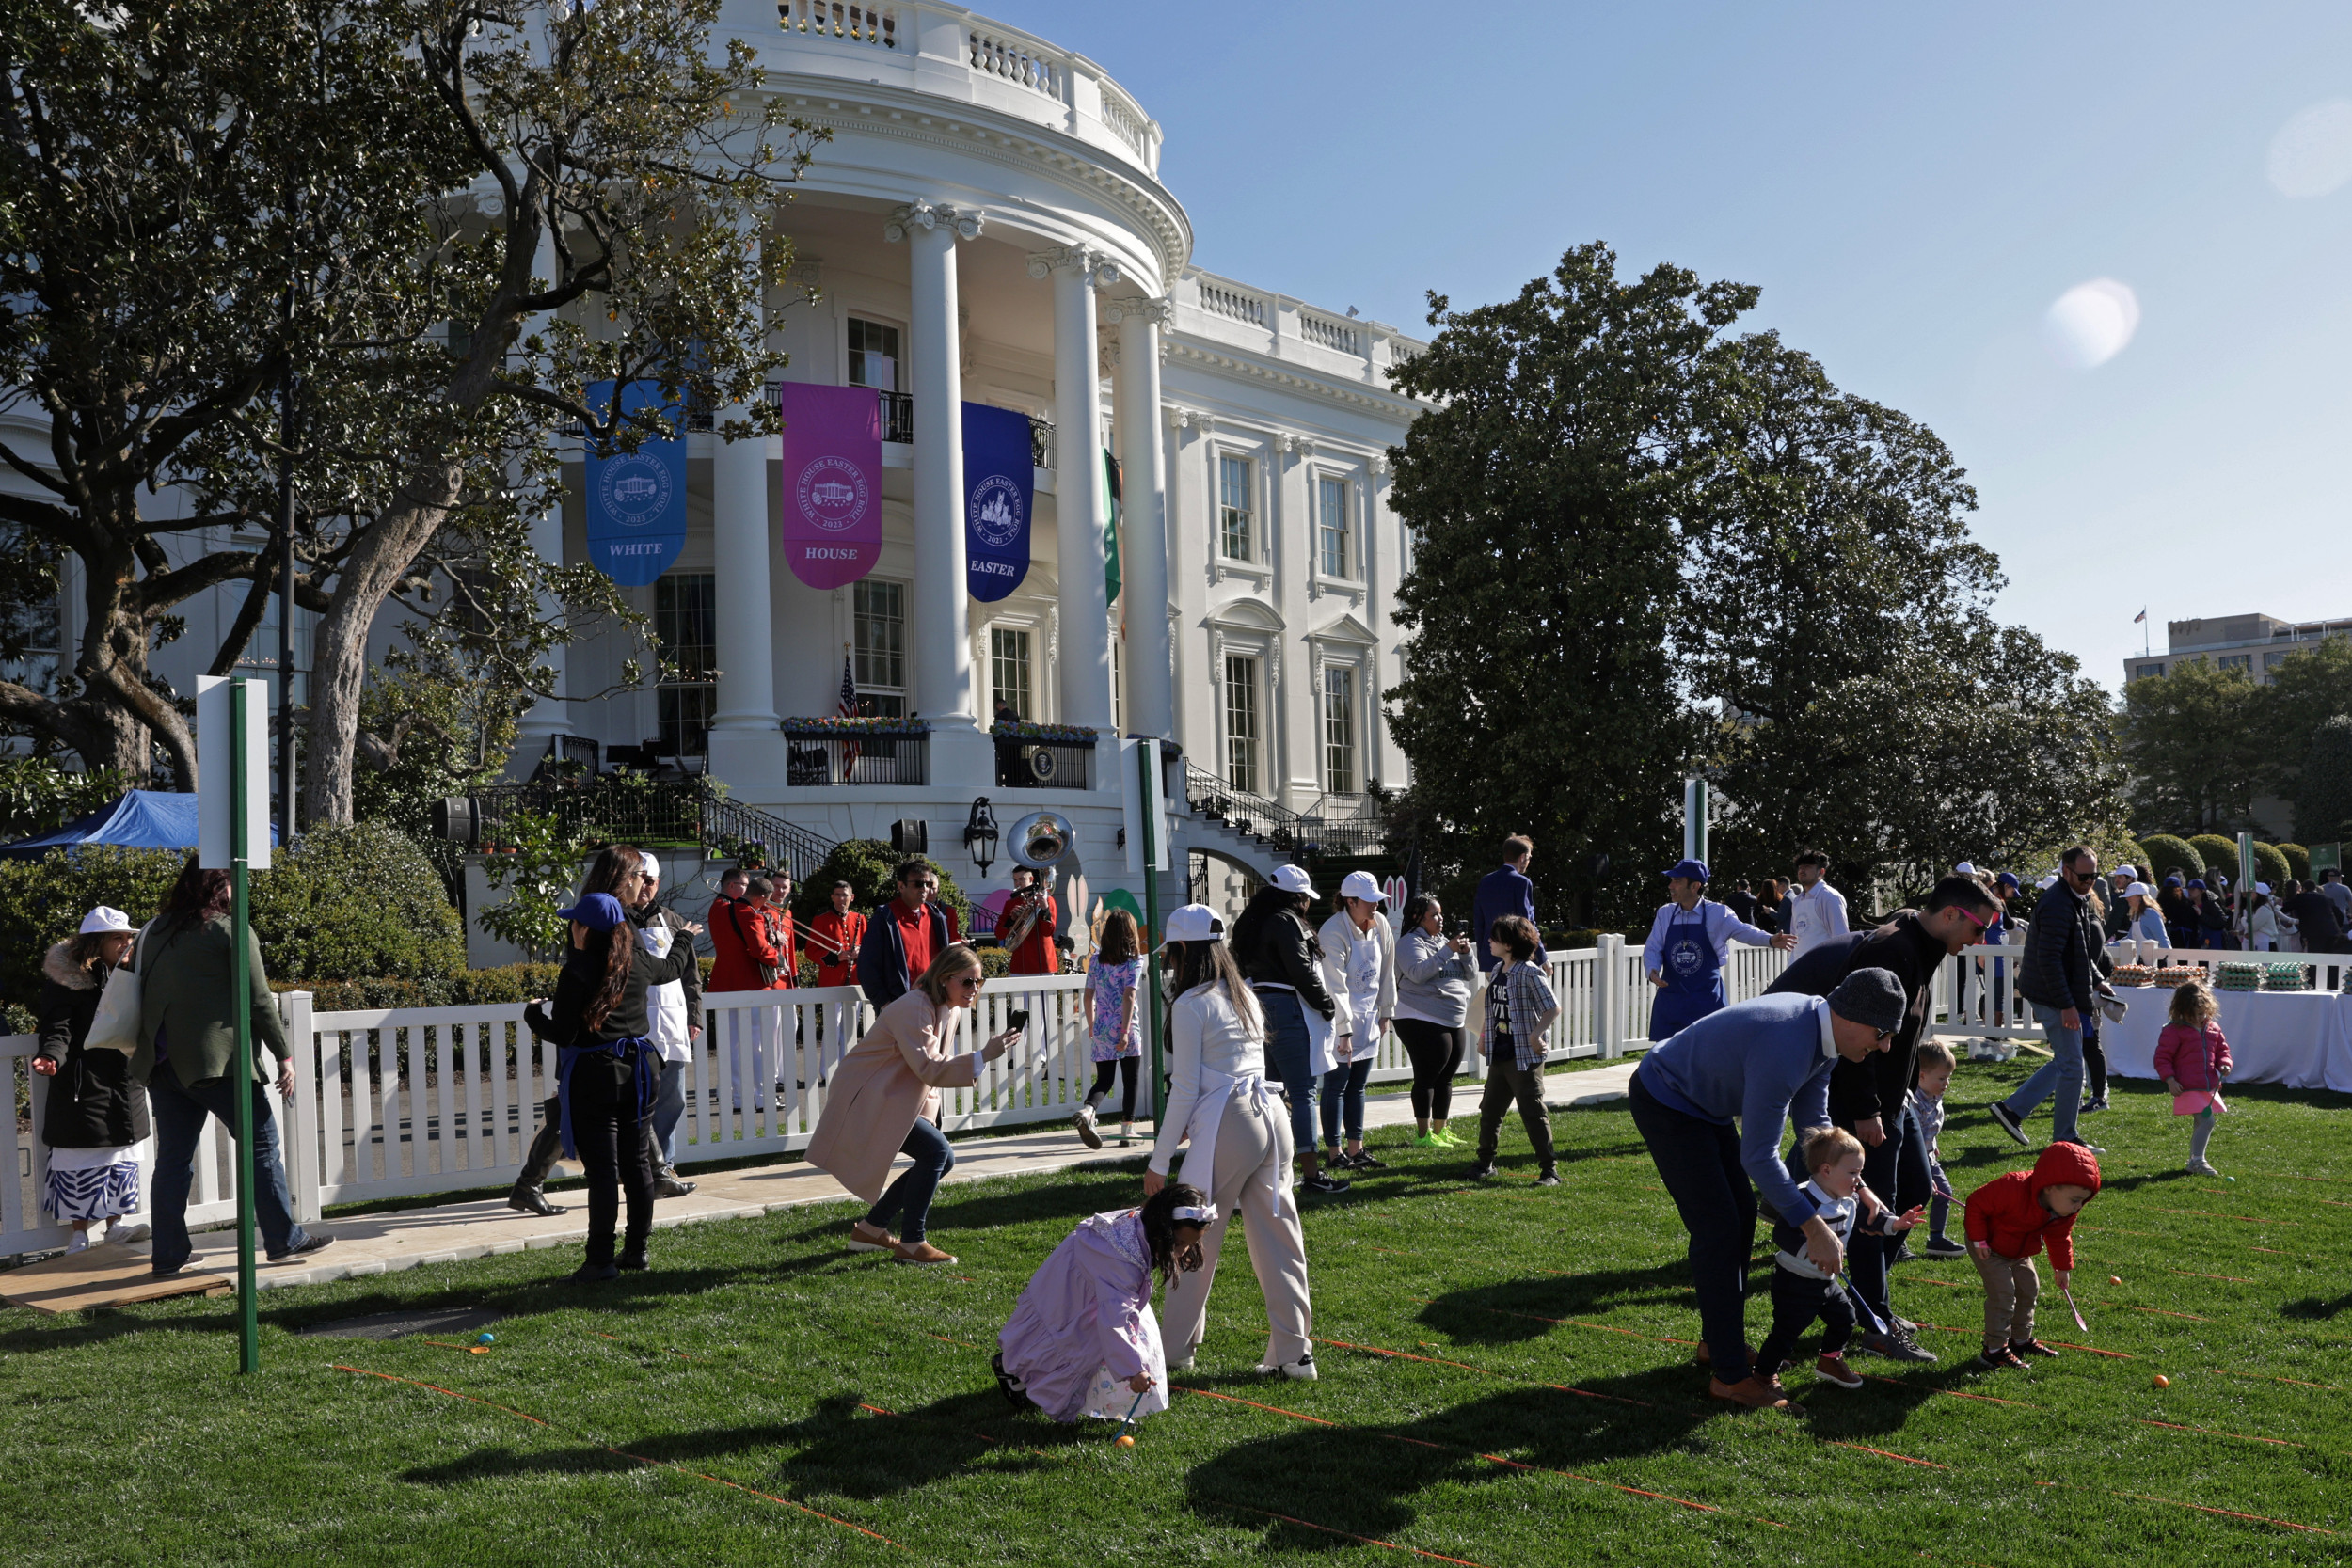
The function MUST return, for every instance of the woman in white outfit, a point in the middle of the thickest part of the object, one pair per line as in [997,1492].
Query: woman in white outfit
[1241,1148]
[1360,966]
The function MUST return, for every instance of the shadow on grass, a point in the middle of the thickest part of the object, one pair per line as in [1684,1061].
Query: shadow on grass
[2313,1308]
[1517,1311]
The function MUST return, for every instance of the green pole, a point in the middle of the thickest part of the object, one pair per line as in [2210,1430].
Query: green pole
[241,980]
[1149,751]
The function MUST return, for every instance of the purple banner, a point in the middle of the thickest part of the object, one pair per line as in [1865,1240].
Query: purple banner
[832,482]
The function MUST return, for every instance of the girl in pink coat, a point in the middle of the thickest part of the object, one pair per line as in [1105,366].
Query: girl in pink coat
[2192,1058]
[1083,1340]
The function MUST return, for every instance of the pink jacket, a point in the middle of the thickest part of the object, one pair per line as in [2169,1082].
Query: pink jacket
[884,1082]
[2199,1058]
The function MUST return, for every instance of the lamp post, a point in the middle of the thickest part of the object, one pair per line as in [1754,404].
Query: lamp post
[981,835]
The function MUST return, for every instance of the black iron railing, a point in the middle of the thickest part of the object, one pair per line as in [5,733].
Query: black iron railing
[818,759]
[632,809]
[1279,828]
[897,421]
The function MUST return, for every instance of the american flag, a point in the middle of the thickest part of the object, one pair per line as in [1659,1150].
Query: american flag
[851,748]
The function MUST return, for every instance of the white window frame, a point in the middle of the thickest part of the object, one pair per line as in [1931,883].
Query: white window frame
[1013,626]
[1351,536]
[880,317]
[1225,712]
[1354,670]
[1253,467]
[903,692]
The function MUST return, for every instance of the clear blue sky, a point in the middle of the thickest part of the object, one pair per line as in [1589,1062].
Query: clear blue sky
[1912,187]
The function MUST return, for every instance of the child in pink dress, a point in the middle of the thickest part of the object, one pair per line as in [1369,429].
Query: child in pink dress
[1083,1340]
[2192,1058]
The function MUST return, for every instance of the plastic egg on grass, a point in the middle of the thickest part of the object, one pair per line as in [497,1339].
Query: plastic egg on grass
[2163,1382]
[1127,1442]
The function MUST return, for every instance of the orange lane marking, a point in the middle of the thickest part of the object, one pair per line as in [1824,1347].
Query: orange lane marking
[2209,1431]
[2190,1274]
[944,1340]
[1234,1399]
[2110,1354]
[1952,1393]
[1883,1453]
[2265,1377]
[2336,1201]
[1369,1541]
[1947,1284]
[2243,1219]
[638,1458]
[2158,1310]
[452,1344]
[2273,1251]
[2227,1512]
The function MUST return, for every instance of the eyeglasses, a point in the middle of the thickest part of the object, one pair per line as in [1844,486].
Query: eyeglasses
[1981,926]
[975,981]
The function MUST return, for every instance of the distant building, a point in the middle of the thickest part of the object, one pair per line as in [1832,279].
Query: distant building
[2255,644]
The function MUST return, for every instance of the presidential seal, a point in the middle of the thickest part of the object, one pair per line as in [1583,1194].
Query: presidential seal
[996,511]
[636,488]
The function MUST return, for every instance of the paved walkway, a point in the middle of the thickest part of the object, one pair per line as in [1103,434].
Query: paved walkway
[449,1233]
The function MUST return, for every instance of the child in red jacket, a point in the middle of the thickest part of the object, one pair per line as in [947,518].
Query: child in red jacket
[2192,1058]
[2009,1218]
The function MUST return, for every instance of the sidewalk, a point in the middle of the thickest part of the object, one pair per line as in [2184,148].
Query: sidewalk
[449,1233]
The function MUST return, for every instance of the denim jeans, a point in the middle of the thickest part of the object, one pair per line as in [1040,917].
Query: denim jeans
[179,1112]
[2062,1072]
[669,1107]
[1288,1054]
[1344,1087]
[909,1196]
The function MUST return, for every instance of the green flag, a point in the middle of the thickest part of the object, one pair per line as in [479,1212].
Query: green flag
[1110,528]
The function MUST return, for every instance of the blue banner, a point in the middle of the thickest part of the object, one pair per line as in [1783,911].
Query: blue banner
[636,499]
[999,489]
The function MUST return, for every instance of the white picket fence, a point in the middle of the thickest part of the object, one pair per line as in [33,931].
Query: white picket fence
[401,1103]
[1976,991]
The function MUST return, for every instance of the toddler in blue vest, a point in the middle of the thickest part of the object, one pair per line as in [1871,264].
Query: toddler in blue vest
[1801,1292]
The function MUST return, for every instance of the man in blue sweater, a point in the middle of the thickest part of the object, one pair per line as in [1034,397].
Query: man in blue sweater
[1505,890]
[1761,1062]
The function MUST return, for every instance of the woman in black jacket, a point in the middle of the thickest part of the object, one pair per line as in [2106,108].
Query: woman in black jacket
[607,1071]
[1279,956]
[95,1115]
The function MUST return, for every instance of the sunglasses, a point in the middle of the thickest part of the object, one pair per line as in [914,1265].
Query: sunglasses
[1981,926]
[974,981]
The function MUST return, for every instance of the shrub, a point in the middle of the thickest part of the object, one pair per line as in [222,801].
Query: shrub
[2270,866]
[865,864]
[2218,853]
[2299,861]
[37,795]
[358,900]
[2167,854]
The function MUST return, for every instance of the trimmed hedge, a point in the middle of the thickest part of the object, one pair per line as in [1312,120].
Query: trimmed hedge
[2270,866]
[2167,854]
[2299,861]
[2218,853]
[865,864]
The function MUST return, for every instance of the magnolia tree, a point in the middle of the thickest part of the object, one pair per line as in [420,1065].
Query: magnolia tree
[380,251]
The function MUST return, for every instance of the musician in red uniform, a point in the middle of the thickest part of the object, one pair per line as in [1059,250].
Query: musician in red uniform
[1026,929]
[753,939]
[833,938]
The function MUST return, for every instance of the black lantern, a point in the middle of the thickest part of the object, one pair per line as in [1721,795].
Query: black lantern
[981,835]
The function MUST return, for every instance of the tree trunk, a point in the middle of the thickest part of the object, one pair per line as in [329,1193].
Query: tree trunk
[340,654]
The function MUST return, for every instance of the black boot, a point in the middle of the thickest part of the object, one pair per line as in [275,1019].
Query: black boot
[633,1254]
[595,1273]
[666,1181]
[527,1194]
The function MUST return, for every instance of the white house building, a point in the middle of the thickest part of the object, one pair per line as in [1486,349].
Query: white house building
[988,224]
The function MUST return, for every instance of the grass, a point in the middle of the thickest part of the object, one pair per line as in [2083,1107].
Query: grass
[760,1392]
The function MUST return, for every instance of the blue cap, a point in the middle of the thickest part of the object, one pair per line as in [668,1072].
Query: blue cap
[2009,878]
[2172,880]
[2197,883]
[1694,870]
[598,912]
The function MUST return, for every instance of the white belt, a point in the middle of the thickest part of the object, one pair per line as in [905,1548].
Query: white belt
[1208,1115]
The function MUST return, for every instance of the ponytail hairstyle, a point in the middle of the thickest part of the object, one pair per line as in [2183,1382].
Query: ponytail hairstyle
[1159,1231]
[1193,964]
[619,955]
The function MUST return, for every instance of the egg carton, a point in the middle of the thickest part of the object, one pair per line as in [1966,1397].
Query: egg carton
[2132,974]
[2237,977]
[2285,977]
[2172,975]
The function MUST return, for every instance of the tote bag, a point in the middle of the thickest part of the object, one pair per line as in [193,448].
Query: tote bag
[116,1026]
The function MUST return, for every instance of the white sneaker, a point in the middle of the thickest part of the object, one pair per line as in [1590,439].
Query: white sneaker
[78,1242]
[2201,1167]
[1084,1121]
[126,1233]
[1300,1370]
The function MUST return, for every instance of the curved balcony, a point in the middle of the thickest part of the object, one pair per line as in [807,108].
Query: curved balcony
[949,52]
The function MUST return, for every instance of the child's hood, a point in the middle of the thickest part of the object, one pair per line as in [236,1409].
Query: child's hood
[2064,1164]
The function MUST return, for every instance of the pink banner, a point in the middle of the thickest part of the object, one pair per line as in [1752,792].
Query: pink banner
[832,482]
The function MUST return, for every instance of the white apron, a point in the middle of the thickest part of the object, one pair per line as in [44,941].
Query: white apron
[1208,1115]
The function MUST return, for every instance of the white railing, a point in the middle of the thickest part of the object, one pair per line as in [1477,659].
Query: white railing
[876,25]
[1121,115]
[1232,303]
[1976,991]
[1332,333]
[402,1102]
[1000,52]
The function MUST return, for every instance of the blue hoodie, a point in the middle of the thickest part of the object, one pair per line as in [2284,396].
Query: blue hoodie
[1759,1061]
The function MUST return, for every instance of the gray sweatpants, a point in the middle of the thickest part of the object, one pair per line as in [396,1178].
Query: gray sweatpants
[1253,1163]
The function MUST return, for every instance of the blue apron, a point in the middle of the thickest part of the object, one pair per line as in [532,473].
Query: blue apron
[643,1057]
[1695,978]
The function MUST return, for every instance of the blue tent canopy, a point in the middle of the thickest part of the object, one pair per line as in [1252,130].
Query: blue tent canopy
[142,820]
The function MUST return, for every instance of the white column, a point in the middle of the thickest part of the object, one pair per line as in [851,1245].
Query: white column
[942,630]
[746,743]
[550,716]
[1086,652]
[1143,525]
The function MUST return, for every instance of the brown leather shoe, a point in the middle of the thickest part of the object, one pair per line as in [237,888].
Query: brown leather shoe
[920,1252]
[1705,1357]
[865,1237]
[1749,1393]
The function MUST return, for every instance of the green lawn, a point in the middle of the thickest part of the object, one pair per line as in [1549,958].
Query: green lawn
[1532,1406]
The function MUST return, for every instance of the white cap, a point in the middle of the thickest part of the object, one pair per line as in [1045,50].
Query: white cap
[2263,888]
[1194,1214]
[2139,890]
[103,919]
[648,865]
[2051,880]
[1290,880]
[1364,885]
[1195,923]
[2131,871]
[1963,869]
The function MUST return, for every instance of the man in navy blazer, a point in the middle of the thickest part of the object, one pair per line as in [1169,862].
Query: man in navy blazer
[1505,890]
[904,935]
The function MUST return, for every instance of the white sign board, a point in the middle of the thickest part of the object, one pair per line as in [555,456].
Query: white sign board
[1144,756]
[219,763]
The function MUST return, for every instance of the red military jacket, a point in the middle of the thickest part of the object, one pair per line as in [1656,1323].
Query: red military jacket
[833,939]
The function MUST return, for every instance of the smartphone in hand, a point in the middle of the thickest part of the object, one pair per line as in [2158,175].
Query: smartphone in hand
[1017,1018]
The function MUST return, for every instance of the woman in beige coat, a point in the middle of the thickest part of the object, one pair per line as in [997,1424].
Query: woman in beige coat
[885,1101]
